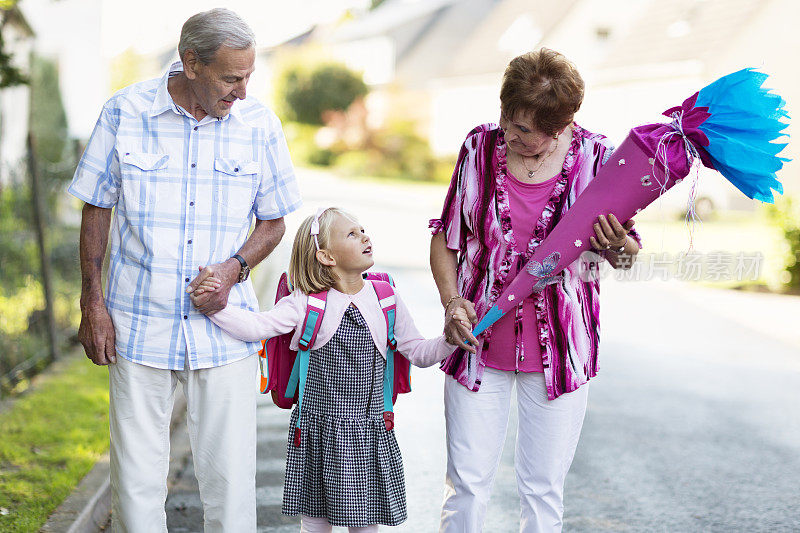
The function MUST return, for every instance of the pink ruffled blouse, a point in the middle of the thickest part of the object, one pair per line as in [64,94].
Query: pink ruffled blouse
[477,222]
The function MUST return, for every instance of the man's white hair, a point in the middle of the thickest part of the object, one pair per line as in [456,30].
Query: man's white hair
[206,32]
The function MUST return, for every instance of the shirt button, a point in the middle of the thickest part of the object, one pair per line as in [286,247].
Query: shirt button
[187,279]
[189,241]
[185,317]
[194,165]
[195,128]
[191,203]
[236,169]
[521,358]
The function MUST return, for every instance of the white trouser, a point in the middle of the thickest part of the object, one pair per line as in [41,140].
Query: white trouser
[312,524]
[476,430]
[221,404]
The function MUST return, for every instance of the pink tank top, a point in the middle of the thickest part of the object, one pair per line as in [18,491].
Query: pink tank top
[526,201]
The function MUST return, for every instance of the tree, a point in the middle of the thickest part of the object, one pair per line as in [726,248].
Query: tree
[305,93]
[48,117]
[10,75]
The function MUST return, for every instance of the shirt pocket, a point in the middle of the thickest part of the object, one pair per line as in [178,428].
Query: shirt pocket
[144,176]
[235,184]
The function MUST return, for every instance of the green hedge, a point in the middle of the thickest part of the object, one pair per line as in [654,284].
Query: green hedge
[785,213]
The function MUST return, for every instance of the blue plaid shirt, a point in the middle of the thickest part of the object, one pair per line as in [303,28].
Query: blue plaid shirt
[184,194]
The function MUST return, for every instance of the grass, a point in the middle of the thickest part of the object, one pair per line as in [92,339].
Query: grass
[729,233]
[51,437]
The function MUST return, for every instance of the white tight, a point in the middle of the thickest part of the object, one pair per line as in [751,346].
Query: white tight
[312,524]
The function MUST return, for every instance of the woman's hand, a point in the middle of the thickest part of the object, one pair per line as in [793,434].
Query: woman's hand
[610,234]
[458,320]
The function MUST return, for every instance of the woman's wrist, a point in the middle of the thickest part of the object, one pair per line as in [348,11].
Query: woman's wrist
[450,301]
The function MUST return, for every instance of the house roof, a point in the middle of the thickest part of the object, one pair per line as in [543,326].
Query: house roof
[445,38]
[681,30]
[511,28]
[437,44]
[387,18]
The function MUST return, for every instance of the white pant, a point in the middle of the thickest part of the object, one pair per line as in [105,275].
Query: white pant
[476,430]
[312,524]
[222,430]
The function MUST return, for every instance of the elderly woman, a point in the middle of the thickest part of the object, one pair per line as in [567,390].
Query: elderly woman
[511,186]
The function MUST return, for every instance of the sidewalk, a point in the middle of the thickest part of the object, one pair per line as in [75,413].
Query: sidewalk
[184,508]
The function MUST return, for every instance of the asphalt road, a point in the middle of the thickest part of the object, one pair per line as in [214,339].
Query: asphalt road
[693,422]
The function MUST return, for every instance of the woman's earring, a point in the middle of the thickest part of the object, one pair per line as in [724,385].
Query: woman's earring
[555,135]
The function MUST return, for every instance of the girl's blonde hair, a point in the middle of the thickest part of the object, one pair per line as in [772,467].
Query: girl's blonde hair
[305,271]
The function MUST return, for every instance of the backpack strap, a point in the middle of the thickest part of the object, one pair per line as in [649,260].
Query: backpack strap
[315,309]
[388,303]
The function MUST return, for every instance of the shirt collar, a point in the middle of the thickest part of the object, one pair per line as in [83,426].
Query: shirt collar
[163,101]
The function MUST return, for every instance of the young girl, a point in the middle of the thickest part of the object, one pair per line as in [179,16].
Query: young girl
[347,470]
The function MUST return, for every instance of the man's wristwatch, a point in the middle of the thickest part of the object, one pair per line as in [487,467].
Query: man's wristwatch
[244,271]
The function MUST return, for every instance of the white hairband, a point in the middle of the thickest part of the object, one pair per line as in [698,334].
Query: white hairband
[315,225]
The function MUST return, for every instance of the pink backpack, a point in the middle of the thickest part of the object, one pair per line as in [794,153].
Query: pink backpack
[284,371]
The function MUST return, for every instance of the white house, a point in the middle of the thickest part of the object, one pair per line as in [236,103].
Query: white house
[440,63]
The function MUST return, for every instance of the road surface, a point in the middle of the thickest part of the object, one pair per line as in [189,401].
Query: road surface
[692,425]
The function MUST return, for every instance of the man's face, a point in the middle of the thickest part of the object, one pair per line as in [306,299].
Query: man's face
[218,84]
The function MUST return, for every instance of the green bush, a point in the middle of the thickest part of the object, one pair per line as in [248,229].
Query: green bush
[394,152]
[306,92]
[18,252]
[302,146]
[785,213]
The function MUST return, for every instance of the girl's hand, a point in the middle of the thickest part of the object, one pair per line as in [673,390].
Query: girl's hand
[611,235]
[209,284]
[209,302]
[459,318]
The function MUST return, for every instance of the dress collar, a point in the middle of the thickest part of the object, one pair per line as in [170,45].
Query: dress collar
[360,296]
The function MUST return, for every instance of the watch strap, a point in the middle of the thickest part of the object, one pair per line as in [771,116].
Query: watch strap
[244,270]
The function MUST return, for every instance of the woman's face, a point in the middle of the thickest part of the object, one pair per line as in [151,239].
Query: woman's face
[523,138]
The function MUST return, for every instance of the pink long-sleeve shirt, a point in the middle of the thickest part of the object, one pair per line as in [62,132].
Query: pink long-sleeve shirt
[289,312]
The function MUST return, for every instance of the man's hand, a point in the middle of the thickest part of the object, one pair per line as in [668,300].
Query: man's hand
[208,302]
[96,333]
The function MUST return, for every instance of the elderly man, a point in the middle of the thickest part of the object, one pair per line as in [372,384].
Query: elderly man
[184,162]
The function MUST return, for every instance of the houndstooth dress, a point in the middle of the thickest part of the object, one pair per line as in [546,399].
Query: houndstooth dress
[348,467]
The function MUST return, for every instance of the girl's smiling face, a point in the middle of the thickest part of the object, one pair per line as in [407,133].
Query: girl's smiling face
[349,246]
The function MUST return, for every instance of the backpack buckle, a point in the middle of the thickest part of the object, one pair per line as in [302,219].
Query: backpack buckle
[388,420]
[392,343]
